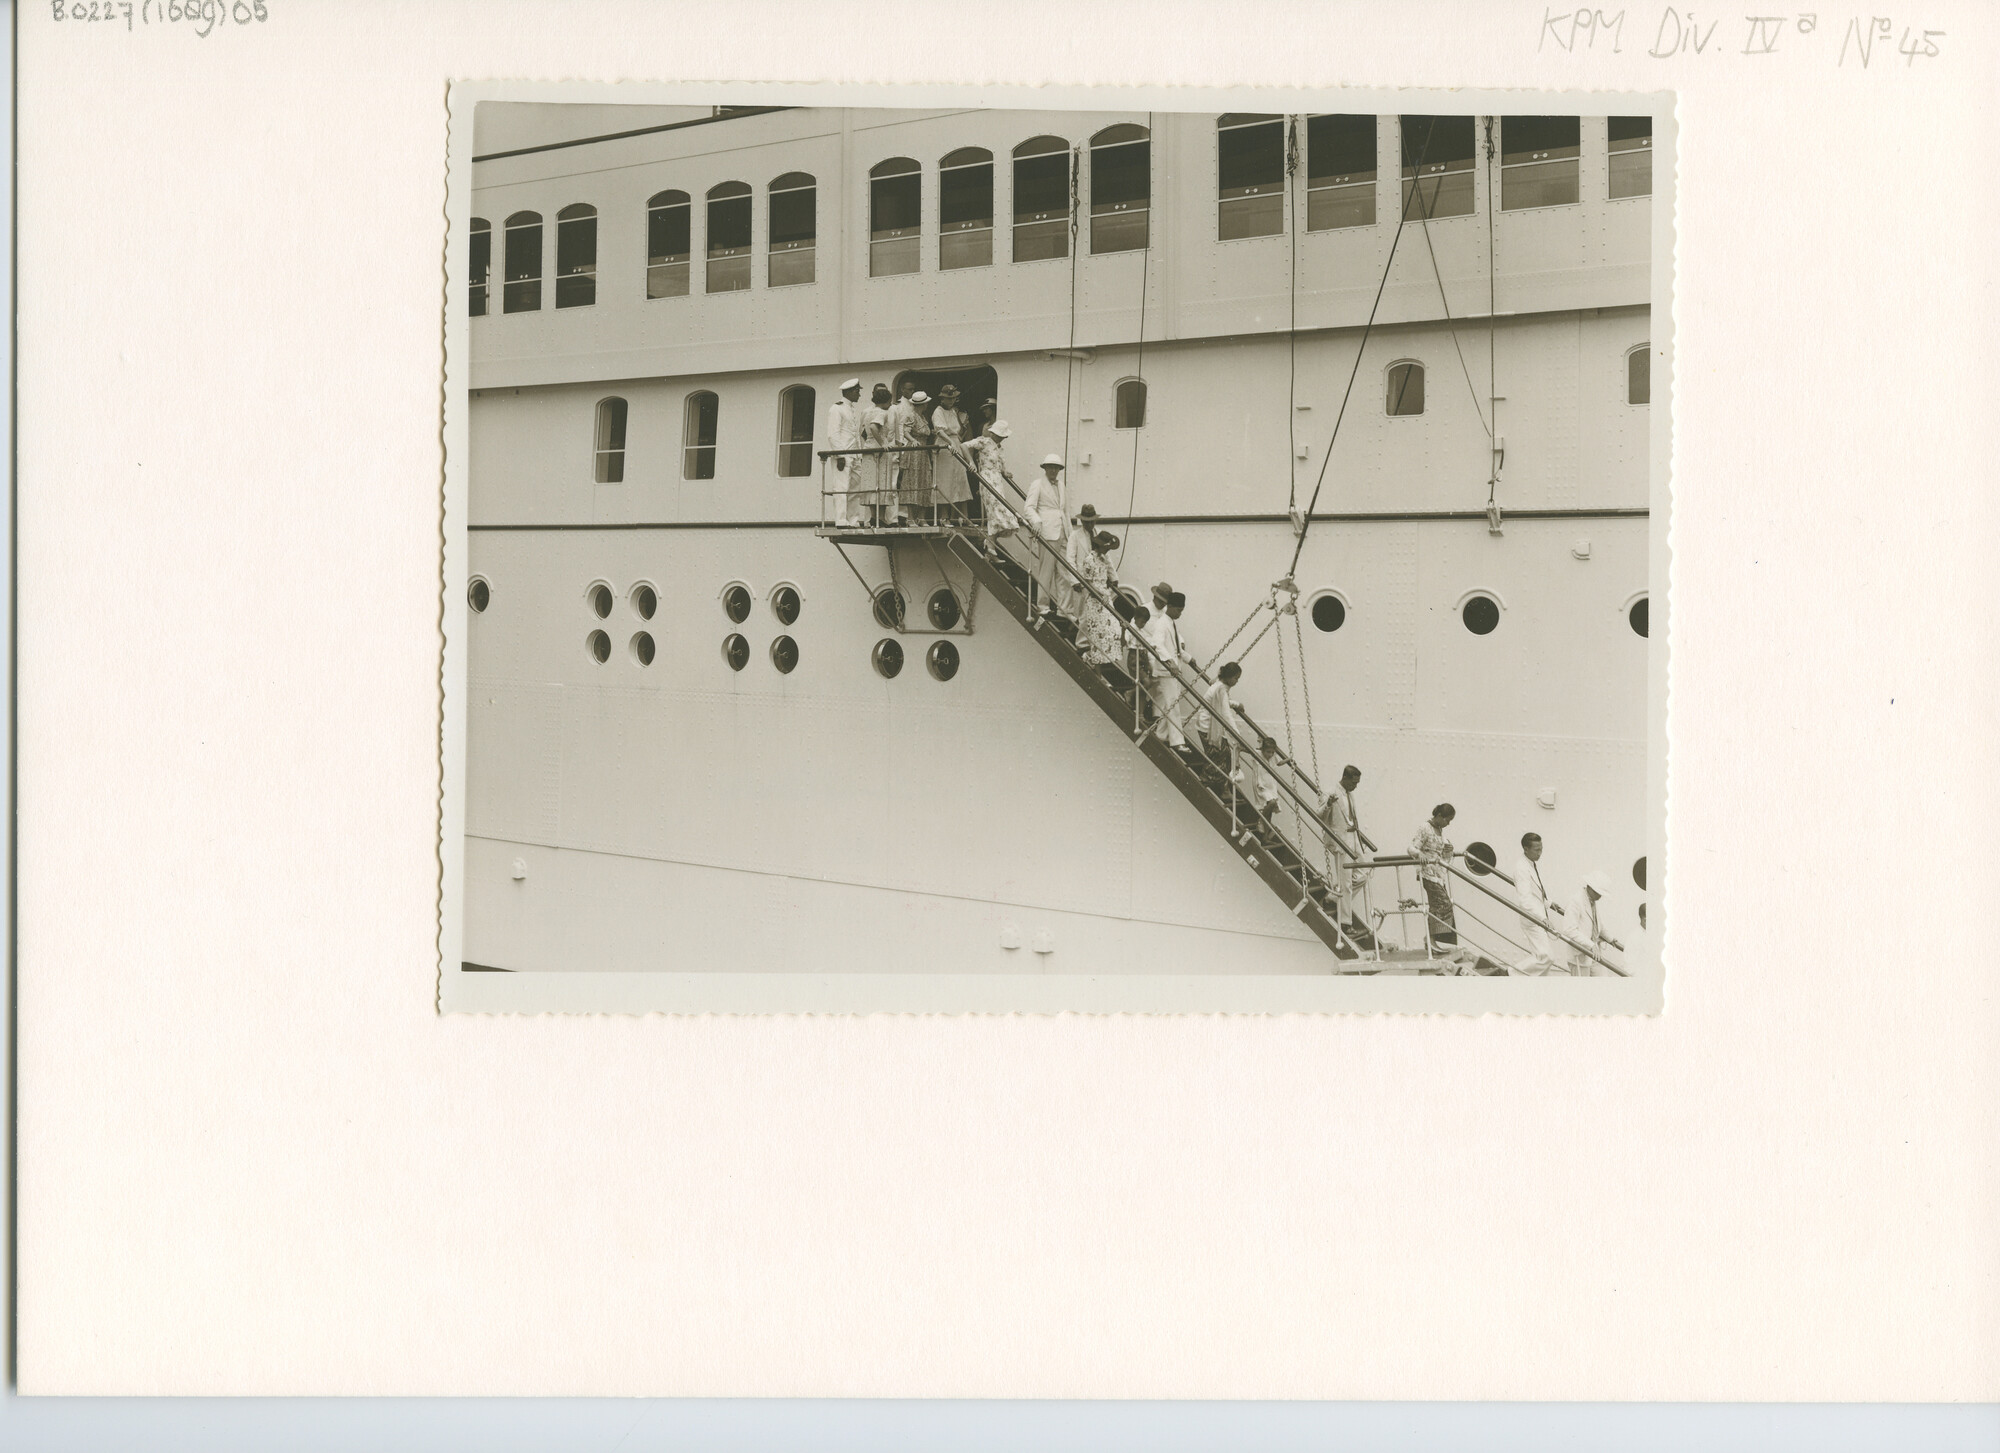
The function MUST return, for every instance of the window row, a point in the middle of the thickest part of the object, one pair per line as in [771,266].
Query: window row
[798,404]
[1255,152]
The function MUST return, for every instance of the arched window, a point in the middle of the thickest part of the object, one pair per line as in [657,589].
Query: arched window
[1249,175]
[1340,172]
[482,264]
[1406,389]
[729,237]
[576,256]
[1639,375]
[965,209]
[795,432]
[1041,199]
[667,245]
[794,229]
[1130,412]
[1437,166]
[523,291]
[1121,188]
[698,437]
[1631,143]
[610,446]
[1538,161]
[895,217]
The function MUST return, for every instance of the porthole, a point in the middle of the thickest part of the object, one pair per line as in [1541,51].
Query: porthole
[736,603]
[642,648]
[599,646]
[1329,612]
[943,609]
[888,658]
[1480,859]
[600,600]
[736,651]
[645,600]
[1636,616]
[785,604]
[478,595]
[889,608]
[1639,873]
[1481,614]
[942,659]
[784,654]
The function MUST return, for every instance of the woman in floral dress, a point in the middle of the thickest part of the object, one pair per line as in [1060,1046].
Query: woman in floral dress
[1097,633]
[1000,492]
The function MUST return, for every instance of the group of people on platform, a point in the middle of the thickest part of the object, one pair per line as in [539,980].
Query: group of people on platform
[930,472]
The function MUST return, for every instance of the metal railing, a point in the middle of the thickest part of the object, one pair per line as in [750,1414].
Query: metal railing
[884,491]
[1313,837]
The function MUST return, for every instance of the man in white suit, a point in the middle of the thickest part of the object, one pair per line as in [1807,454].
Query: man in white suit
[843,431]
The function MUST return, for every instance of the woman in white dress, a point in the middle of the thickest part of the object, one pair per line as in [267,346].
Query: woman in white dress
[871,471]
[953,489]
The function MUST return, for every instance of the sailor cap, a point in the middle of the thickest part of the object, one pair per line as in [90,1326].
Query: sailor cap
[851,383]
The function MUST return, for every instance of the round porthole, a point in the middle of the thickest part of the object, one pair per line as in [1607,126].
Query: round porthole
[642,649]
[785,604]
[600,600]
[1329,612]
[943,609]
[888,658]
[736,603]
[784,654]
[889,608]
[736,651]
[478,595]
[1637,616]
[1639,873]
[645,601]
[599,646]
[1481,614]
[942,659]
[1479,858]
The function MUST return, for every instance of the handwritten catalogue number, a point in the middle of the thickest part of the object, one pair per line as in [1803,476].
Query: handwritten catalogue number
[201,16]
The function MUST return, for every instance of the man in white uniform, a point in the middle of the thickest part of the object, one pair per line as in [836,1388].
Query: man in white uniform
[1543,956]
[1167,683]
[1343,826]
[843,431]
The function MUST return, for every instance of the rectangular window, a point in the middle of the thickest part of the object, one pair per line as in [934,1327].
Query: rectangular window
[611,441]
[1538,161]
[895,223]
[1041,206]
[576,259]
[1250,176]
[794,233]
[1631,155]
[698,437]
[965,214]
[1340,172]
[524,267]
[1121,190]
[1437,166]
[482,265]
[667,233]
[729,243]
[795,432]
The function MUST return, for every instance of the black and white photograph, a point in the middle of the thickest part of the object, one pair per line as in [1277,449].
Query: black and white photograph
[1061,557]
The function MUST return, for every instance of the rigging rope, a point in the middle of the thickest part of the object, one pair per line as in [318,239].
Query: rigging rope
[1445,303]
[1318,484]
[1285,692]
[1292,390]
[1145,271]
[1305,690]
[1069,363]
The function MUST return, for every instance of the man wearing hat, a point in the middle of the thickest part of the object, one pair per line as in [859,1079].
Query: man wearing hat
[1048,516]
[1082,534]
[843,431]
[1167,683]
[1585,924]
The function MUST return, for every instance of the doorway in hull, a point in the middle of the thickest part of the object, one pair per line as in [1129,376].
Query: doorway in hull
[978,399]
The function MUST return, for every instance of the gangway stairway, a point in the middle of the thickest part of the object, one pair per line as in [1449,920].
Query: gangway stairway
[1298,862]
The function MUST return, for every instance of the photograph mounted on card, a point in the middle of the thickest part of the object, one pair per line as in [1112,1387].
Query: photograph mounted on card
[1004,551]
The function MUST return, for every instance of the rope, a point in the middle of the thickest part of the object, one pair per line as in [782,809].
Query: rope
[1305,689]
[1285,691]
[1415,192]
[1069,363]
[1292,389]
[1244,654]
[1145,270]
[1445,303]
